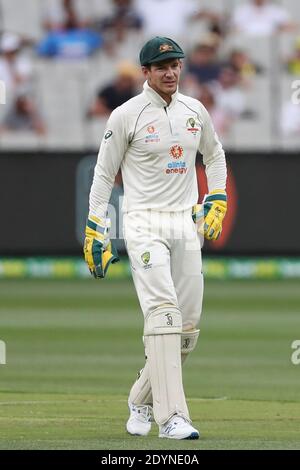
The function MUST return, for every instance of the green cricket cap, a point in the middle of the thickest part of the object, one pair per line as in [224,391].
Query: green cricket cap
[160,48]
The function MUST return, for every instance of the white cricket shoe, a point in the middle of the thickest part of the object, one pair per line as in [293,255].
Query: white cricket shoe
[178,428]
[139,422]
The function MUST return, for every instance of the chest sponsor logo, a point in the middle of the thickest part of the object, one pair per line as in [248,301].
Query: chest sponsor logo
[193,126]
[179,168]
[176,151]
[152,135]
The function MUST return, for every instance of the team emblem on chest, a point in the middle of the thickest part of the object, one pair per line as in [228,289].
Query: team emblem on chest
[193,125]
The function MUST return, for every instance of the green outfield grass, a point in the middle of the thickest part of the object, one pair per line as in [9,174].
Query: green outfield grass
[74,348]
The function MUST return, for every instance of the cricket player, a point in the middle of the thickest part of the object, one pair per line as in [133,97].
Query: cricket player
[154,138]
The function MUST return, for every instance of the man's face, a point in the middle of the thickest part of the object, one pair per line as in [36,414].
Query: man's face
[163,76]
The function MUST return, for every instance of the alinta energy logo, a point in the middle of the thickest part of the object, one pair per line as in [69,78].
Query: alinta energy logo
[2,92]
[2,353]
[152,135]
[179,167]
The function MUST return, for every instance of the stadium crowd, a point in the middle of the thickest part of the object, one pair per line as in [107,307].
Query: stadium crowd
[241,58]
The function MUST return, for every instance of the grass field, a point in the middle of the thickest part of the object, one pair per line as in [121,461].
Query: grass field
[74,348]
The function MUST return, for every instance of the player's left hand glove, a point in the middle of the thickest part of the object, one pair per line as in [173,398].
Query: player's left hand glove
[210,214]
[98,250]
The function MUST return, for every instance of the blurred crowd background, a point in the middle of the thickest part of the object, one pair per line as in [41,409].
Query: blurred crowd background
[67,64]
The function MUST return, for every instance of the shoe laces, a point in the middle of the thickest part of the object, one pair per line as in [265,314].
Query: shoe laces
[143,412]
[172,423]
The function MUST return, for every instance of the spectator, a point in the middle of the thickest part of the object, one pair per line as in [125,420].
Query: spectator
[241,62]
[203,62]
[261,18]
[170,17]
[23,115]
[72,41]
[15,68]
[58,13]
[220,118]
[115,94]
[123,19]
[293,62]
[190,85]
[228,94]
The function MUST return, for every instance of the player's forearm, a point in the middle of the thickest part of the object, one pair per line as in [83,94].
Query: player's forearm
[216,172]
[110,156]
[100,194]
[213,155]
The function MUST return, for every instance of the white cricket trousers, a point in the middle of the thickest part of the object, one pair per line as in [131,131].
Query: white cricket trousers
[164,249]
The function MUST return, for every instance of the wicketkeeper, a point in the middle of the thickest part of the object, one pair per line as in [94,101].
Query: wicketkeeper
[154,138]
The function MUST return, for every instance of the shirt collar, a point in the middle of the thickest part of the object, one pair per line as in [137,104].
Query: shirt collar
[156,99]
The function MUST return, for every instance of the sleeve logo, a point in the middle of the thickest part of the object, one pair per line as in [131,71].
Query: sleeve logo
[108,134]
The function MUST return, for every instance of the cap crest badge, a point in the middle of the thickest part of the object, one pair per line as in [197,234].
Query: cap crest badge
[165,48]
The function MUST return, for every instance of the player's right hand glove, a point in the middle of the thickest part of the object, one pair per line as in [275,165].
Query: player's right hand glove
[98,250]
[210,214]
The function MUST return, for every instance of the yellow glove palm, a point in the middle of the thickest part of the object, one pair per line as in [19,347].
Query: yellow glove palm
[210,214]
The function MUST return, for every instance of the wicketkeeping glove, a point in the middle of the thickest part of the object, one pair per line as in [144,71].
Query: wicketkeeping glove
[210,214]
[98,250]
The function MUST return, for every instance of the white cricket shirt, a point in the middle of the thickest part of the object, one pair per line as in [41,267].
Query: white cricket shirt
[155,145]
